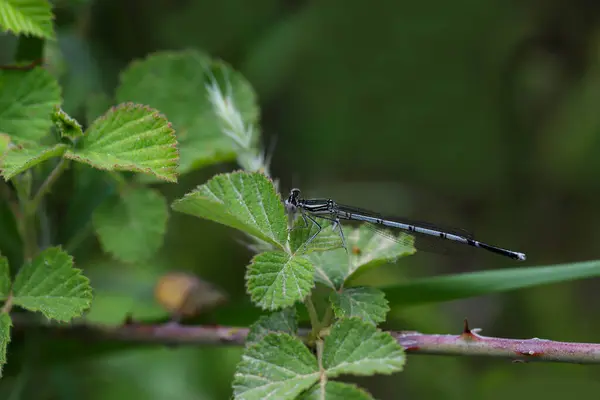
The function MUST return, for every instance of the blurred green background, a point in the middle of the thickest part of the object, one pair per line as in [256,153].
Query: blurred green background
[479,115]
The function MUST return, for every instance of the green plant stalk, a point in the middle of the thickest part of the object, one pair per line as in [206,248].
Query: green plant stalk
[328,317]
[314,316]
[26,224]
[27,221]
[323,375]
[7,304]
[34,204]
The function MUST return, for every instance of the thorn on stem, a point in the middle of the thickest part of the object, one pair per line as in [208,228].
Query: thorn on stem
[128,319]
[467,333]
[466,329]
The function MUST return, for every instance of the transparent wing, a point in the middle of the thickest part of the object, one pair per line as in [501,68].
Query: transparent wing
[423,224]
[422,242]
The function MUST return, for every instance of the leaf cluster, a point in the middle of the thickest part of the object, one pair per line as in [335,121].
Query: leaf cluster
[172,113]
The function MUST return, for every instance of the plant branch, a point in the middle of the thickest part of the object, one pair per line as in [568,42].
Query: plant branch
[468,343]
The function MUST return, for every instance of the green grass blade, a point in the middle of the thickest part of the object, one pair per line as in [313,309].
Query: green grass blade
[465,285]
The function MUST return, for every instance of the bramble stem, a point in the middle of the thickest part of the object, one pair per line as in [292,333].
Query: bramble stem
[468,343]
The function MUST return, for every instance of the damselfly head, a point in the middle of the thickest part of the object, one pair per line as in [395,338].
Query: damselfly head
[292,200]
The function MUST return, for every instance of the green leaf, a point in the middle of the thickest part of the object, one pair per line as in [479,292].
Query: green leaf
[370,248]
[279,367]
[336,391]
[130,137]
[367,249]
[27,100]
[358,348]
[66,125]
[241,200]
[50,284]
[331,267]
[465,285]
[175,83]
[131,225]
[327,239]
[276,280]
[89,188]
[283,321]
[4,278]
[4,143]
[26,155]
[29,17]
[5,325]
[366,303]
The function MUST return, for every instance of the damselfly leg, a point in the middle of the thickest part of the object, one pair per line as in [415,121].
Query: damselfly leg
[335,223]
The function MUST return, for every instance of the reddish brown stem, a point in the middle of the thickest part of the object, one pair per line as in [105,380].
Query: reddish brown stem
[468,343]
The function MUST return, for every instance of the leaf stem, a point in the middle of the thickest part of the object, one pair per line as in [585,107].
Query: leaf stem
[313,315]
[26,224]
[8,303]
[46,186]
[328,317]
[30,207]
[322,374]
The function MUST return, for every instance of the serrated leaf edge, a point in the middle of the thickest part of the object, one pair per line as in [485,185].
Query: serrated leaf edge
[84,280]
[339,313]
[393,368]
[169,172]
[273,307]
[216,200]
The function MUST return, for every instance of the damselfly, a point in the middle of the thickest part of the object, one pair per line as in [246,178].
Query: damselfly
[334,212]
